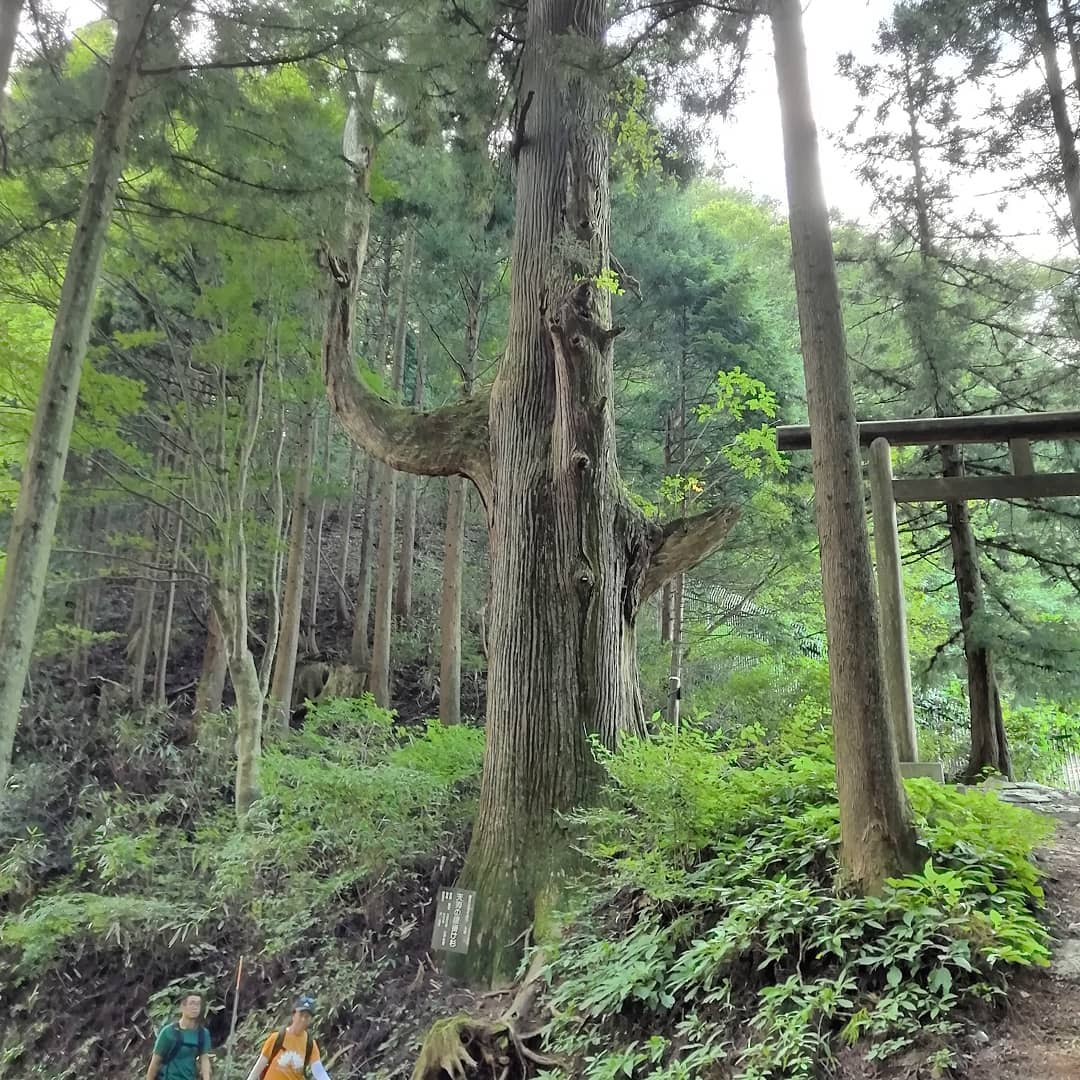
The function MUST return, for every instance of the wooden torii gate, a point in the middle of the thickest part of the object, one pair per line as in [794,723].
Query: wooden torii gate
[1019,430]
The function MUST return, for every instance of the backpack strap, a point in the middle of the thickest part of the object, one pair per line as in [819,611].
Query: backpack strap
[177,1041]
[308,1050]
[279,1042]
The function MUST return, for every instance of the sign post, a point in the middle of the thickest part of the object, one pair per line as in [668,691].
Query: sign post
[453,920]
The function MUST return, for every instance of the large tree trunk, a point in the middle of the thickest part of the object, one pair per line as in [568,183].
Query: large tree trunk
[403,594]
[316,570]
[877,837]
[379,682]
[678,651]
[1059,110]
[281,685]
[571,560]
[215,661]
[31,538]
[989,746]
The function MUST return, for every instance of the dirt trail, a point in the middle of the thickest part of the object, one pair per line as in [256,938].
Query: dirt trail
[1039,1039]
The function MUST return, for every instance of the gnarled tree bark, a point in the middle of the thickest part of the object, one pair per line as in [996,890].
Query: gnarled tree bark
[569,554]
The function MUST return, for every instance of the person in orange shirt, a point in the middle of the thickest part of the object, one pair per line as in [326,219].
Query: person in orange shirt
[291,1053]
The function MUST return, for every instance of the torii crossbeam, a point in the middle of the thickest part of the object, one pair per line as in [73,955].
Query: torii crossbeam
[1019,430]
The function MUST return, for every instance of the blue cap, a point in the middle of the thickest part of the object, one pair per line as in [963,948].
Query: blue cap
[304,1003]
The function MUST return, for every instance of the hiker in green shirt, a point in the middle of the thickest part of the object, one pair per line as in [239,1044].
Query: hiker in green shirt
[182,1050]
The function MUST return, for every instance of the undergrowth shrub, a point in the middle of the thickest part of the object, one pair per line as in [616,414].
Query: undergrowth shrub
[322,880]
[712,934]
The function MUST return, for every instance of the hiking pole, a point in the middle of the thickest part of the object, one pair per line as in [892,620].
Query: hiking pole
[232,1026]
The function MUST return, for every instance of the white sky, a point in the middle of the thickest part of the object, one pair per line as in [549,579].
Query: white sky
[750,140]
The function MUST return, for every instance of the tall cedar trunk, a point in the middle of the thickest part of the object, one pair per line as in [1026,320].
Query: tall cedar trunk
[211,686]
[281,685]
[279,525]
[379,682]
[667,593]
[34,522]
[10,10]
[403,594]
[360,649]
[989,746]
[566,553]
[571,561]
[346,543]
[877,839]
[1059,110]
[1072,30]
[454,545]
[165,641]
[316,570]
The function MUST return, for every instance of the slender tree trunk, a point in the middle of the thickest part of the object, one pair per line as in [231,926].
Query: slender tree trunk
[360,646]
[31,538]
[346,543]
[989,746]
[360,649]
[166,626]
[281,685]
[1073,33]
[675,670]
[877,837]
[211,688]
[10,10]
[454,544]
[1059,110]
[142,620]
[384,576]
[403,594]
[320,517]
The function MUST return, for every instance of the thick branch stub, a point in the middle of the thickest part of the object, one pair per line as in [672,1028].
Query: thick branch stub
[451,441]
[684,543]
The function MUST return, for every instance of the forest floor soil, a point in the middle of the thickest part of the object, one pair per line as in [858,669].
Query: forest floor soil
[1039,1038]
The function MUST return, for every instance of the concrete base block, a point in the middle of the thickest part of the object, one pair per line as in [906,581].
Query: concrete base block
[931,770]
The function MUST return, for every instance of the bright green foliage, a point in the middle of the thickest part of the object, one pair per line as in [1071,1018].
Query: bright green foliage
[713,934]
[351,803]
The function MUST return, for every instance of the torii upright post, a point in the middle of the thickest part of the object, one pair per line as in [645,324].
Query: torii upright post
[894,642]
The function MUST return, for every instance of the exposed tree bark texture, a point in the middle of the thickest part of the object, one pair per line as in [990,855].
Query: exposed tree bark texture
[403,593]
[989,746]
[1059,110]
[568,553]
[320,517]
[34,522]
[211,688]
[877,836]
[10,10]
[454,543]
[289,642]
[346,543]
[232,611]
[379,680]
[165,641]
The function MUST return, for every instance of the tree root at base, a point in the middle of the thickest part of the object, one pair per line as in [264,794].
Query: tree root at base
[464,1047]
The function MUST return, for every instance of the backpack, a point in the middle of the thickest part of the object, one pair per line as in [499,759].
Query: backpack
[178,1041]
[309,1046]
